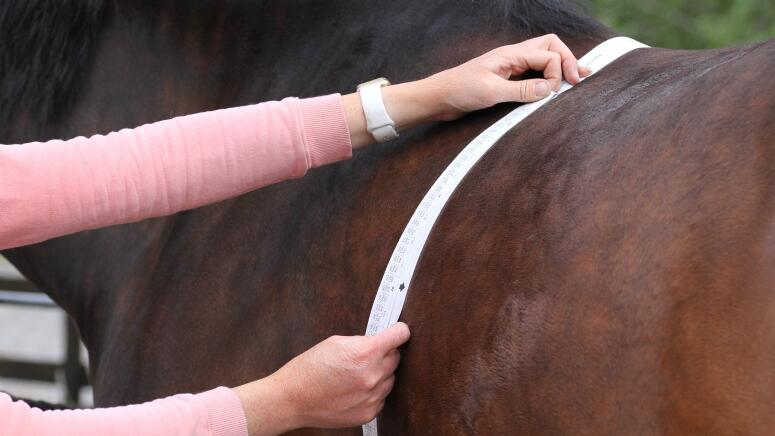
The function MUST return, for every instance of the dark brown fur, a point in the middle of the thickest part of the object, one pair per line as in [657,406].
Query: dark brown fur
[606,269]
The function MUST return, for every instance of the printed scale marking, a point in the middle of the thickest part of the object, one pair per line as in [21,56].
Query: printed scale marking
[395,283]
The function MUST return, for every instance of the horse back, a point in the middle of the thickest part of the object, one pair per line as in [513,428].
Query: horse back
[609,267]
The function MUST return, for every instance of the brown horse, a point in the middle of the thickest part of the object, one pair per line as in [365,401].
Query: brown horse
[608,268]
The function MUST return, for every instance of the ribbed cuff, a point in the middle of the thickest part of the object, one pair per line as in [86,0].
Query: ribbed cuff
[326,135]
[225,413]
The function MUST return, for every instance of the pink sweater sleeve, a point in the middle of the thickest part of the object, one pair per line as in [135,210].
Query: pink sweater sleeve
[60,187]
[213,413]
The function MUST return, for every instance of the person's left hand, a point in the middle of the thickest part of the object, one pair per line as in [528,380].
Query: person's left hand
[340,382]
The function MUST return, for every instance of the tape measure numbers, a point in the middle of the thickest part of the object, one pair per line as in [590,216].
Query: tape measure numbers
[395,283]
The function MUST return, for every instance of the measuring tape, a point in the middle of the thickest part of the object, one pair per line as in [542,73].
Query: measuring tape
[398,274]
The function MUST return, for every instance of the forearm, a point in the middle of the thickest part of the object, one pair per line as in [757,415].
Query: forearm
[59,187]
[408,104]
[216,413]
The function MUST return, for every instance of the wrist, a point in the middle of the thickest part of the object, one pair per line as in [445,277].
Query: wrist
[412,103]
[408,104]
[267,408]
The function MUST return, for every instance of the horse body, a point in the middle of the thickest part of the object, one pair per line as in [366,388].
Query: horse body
[605,269]
[608,267]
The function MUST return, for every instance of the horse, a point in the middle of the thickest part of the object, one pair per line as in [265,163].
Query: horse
[605,269]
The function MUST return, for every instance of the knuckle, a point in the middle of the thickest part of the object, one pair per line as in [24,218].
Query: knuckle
[363,381]
[499,51]
[358,355]
[372,380]
[333,343]
[495,55]
[496,51]
[389,383]
[368,414]
[341,342]
[366,381]
[367,347]
[524,89]
[378,408]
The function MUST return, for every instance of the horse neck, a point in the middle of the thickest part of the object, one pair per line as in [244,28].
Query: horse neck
[209,55]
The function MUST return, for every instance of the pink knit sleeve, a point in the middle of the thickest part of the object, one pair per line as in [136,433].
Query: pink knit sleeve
[60,187]
[214,413]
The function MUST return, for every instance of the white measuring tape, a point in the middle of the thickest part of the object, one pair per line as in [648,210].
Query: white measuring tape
[398,275]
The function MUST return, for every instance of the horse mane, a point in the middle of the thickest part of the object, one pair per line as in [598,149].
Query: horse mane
[45,49]
[567,18]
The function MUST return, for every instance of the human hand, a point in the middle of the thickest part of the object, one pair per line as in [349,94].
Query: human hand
[477,84]
[484,81]
[340,382]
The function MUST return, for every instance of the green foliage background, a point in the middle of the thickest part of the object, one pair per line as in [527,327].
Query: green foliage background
[688,24]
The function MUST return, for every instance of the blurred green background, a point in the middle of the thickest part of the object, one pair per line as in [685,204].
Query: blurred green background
[686,23]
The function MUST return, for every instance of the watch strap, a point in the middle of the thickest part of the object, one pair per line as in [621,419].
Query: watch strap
[378,122]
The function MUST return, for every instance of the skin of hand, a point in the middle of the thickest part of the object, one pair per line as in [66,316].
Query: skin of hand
[477,84]
[340,382]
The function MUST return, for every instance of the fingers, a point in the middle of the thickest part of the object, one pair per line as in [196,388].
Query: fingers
[525,91]
[380,392]
[573,71]
[547,61]
[392,337]
[383,389]
[379,395]
[484,81]
[390,362]
[551,42]
[570,66]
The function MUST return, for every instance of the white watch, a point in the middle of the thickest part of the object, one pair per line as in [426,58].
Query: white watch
[378,122]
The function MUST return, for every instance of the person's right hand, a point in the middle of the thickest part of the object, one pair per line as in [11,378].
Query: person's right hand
[340,382]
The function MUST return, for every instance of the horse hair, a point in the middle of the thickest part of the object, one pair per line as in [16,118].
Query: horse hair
[564,17]
[45,48]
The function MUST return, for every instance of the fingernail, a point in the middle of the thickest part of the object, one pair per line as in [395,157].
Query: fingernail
[542,89]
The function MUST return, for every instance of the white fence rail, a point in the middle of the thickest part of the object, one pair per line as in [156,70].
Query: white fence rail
[15,290]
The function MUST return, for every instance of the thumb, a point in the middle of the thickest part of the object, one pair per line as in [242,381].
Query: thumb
[525,91]
[392,337]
